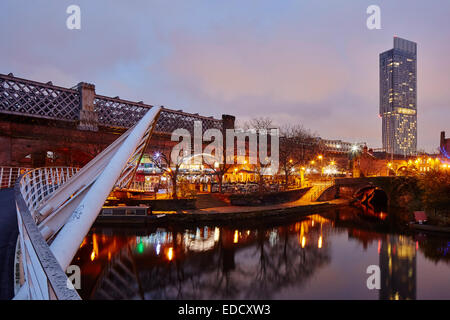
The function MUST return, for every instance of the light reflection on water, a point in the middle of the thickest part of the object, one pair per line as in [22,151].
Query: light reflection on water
[317,257]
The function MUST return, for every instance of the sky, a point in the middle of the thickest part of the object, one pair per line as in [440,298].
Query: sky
[312,63]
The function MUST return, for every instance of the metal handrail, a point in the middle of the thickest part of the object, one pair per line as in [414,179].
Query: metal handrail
[38,184]
[9,175]
[321,189]
[42,277]
[140,187]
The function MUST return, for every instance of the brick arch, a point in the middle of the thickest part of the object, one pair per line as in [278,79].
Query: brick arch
[368,187]
[71,154]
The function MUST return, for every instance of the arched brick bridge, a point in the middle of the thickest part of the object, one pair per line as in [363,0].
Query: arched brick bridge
[394,187]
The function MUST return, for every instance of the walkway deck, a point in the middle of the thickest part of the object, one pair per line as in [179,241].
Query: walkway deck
[243,209]
[8,237]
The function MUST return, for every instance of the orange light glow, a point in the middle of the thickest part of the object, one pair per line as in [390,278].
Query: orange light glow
[83,243]
[170,254]
[236,237]
[94,253]
[319,243]
[303,241]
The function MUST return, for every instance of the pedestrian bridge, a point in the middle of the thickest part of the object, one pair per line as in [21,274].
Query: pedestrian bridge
[56,207]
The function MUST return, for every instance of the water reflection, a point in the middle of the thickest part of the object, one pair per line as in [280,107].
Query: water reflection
[253,262]
[398,268]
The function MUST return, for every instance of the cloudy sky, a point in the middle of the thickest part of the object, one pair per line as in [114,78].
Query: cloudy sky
[308,62]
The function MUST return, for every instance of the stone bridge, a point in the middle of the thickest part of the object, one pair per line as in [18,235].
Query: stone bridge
[75,123]
[399,190]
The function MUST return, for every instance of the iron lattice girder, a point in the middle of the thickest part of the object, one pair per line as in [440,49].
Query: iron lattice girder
[44,100]
[24,97]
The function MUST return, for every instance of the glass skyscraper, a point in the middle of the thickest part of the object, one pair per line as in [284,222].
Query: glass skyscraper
[398,97]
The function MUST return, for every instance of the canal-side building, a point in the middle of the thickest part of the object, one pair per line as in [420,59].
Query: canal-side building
[398,97]
[444,147]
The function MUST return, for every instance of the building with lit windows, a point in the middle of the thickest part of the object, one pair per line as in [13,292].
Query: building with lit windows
[339,146]
[398,97]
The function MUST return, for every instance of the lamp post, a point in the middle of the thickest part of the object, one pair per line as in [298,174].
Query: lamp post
[320,157]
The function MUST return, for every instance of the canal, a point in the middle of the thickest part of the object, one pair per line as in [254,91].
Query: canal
[320,256]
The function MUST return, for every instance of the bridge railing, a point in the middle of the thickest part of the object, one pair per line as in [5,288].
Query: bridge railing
[140,187]
[42,277]
[9,175]
[37,184]
[321,189]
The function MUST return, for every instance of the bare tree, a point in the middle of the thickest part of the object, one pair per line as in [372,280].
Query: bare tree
[219,171]
[297,147]
[163,161]
[258,123]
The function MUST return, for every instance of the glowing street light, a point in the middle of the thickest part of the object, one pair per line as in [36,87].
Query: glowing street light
[170,254]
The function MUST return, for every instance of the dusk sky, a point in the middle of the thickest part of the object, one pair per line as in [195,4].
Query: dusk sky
[313,63]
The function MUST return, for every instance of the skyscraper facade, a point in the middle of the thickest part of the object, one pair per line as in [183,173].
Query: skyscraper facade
[398,97]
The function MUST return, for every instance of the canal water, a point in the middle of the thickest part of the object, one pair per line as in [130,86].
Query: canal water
[321,256]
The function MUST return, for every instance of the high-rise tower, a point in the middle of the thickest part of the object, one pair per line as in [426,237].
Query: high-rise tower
[398,97]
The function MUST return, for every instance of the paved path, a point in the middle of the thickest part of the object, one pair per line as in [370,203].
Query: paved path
[8,238]
[303,201]
[209,200]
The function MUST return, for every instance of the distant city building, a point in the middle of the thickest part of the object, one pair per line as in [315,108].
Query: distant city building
[398,97]
[339,146]
[444,146]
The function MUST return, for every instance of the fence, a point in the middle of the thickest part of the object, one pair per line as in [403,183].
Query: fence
[9,175]
[41,276]
[319,189]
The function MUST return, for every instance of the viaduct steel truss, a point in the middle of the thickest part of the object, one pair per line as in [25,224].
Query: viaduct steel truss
[44,100]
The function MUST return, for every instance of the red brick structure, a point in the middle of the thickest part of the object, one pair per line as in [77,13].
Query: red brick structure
[444,146]
[45,125]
